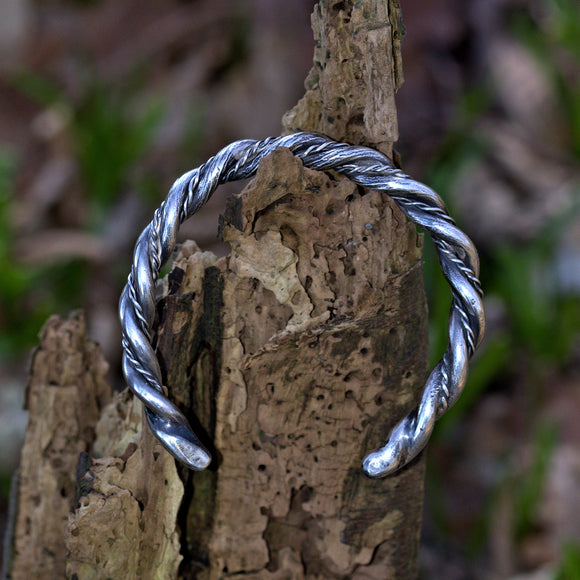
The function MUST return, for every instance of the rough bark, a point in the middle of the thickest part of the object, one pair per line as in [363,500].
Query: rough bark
[350,91]
[301,349]
[125,522]
[298,352]
[294,355]
[65,394]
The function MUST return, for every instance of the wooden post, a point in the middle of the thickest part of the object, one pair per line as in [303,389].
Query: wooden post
[65,395]
[300,350]
[295,354]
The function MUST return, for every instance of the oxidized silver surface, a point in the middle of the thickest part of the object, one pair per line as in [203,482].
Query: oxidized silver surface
[365,167]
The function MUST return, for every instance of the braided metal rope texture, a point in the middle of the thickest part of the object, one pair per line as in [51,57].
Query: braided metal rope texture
[365,167]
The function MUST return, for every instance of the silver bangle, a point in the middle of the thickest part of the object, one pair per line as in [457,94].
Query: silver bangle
[365,167]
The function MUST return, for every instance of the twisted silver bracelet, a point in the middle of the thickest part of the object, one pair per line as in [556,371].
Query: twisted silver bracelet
[365,167]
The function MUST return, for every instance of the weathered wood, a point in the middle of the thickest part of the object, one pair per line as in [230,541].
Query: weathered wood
[350,91]
[77,515]
[124,525]
[65,394]
[301,349]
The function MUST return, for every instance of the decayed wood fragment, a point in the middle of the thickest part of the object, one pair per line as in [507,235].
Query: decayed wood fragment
[318,348]
[125,523]
[350,91]
[65,394]
[98,496]
[301,349]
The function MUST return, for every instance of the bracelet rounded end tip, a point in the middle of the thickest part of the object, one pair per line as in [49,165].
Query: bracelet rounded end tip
[179,439]
[380,463]
[192,455]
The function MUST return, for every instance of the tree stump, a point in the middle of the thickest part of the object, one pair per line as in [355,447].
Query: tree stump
[294,355]
[302,348]
[65,395]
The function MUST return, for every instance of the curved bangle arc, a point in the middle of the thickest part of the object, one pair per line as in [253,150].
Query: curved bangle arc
[365,167]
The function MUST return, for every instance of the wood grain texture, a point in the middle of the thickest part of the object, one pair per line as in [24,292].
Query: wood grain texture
[124,524]
[300,350]
[98,496]
[65,394]
[357,69]
[321,328]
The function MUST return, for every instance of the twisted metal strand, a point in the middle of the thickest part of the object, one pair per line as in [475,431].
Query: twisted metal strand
[365,167]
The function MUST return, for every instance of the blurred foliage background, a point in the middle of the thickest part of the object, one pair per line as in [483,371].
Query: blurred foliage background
[104,103]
